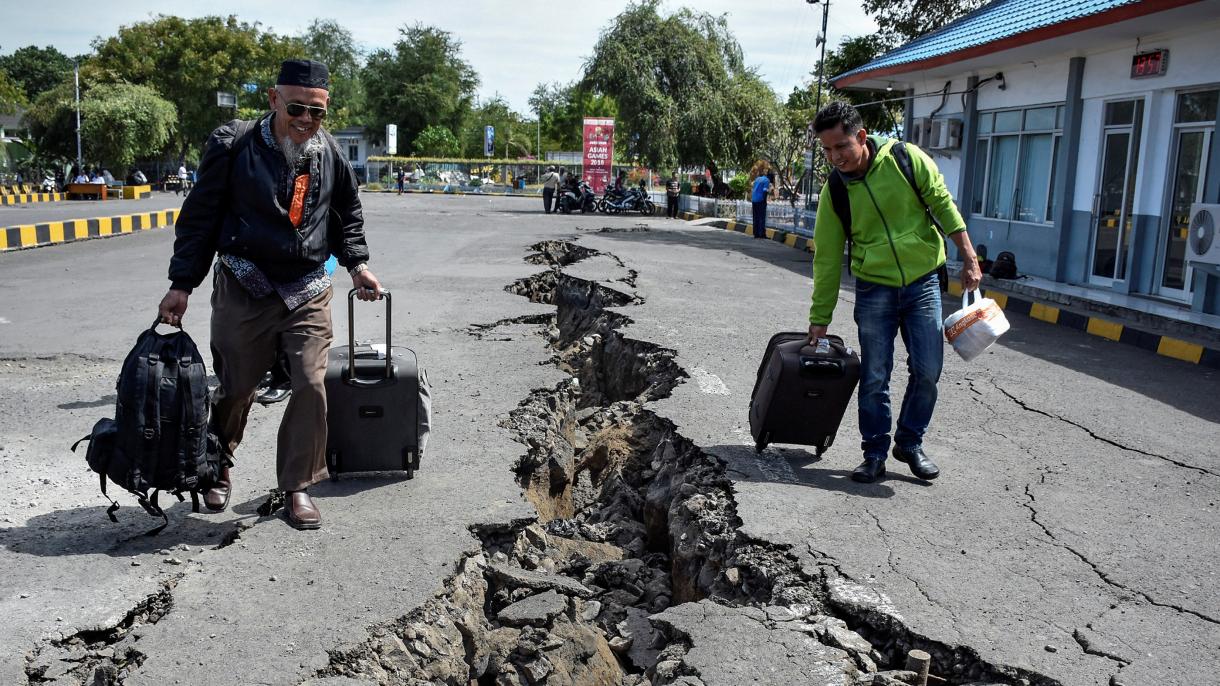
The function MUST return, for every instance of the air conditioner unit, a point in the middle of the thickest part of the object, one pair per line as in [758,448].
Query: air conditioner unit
[946,134]
[921,130]
[1202,243]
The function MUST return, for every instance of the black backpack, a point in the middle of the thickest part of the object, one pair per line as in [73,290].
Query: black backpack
[1005,266]
[159,439]
[842,206]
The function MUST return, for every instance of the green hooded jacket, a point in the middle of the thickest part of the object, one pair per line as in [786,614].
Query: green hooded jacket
[894,241]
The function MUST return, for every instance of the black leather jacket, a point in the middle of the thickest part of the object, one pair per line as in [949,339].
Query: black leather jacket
[240,203]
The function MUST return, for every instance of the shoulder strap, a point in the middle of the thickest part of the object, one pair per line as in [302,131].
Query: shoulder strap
[839,200]
[903,157]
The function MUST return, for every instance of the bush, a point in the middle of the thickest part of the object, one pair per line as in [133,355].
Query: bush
[373,186]
[739,185]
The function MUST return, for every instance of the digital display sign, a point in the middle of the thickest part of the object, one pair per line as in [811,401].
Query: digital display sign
[1151,63]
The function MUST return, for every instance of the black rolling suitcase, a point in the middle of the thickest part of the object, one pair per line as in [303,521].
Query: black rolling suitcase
[802,391]
[373,405]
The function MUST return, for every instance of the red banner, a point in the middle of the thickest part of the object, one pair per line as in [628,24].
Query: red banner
[599,152]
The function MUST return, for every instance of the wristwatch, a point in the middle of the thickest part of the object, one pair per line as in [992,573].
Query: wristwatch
[357,269]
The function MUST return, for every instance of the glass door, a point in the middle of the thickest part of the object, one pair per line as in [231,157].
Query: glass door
[1194,126]
[1115,198]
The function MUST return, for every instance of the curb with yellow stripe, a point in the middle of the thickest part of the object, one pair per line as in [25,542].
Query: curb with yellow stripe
[25,198]
[1096,326]
[68,230]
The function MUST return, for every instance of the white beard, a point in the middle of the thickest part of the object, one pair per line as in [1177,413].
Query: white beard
[295,154]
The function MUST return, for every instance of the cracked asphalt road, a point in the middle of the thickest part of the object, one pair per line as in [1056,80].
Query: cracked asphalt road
[1072,532]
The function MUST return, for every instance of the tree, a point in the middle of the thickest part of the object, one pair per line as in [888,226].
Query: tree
[683,92]
[436,141]
[11,95]
[120,123]
[331,44]
[187,61]
[511,130]
[905,20]
[562,109]
[36,70]
[879,117]
[422,82]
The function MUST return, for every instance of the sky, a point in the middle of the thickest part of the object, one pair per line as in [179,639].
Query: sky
[513,46]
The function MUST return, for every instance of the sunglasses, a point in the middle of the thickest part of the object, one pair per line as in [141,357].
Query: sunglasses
[296,109]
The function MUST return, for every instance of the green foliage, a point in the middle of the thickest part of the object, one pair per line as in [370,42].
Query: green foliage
[683,92]
[739,184]
[514,136]
[36,70]
[187,61]
[905,20]
[563,108]
[422,82]
[330,43]
[852,53]
[436,141]
[11,95]
[119,123]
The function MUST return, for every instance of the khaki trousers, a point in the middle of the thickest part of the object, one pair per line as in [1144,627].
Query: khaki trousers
[247,335]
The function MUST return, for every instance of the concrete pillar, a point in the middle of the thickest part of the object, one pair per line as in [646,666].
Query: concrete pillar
[1069,267]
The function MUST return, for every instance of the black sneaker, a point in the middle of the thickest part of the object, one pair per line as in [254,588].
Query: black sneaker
[273,394]
[918,461]
[870,470]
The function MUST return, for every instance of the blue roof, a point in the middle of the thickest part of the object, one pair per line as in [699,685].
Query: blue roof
[992,22]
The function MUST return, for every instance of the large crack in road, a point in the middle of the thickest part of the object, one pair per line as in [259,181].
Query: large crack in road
[636,533]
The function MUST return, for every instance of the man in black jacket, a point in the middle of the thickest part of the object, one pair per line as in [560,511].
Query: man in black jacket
[274,199]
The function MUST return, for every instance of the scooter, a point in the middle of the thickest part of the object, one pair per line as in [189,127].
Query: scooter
[634,200]
[579,198]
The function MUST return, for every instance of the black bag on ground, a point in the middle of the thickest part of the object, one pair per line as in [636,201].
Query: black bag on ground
[1004,266]
[802,391]
[378,405]
[159,438]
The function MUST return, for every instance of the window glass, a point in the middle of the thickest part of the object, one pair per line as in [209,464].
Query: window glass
[1008,121]
[980,176]
[1120,113]
[1032,190]
[1002,178]
[1197,107]
[1059,117]
[985,120]
[1040,119]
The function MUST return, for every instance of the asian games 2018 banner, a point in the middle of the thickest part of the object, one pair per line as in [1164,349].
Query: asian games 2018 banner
[598,152]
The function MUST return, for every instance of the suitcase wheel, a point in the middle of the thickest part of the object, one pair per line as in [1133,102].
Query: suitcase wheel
[332,464]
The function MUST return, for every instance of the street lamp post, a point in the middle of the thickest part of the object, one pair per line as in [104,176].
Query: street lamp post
[80,165]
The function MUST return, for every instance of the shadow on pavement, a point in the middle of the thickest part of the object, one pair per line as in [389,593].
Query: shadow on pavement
[796,466]
[87,531]
[1181,385]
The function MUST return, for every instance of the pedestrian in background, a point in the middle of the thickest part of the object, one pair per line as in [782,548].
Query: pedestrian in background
[763,186]
[550,184]
[402,179]
[897,251]
[673,195]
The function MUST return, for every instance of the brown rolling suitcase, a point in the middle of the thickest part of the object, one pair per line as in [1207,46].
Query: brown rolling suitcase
[802,391]
[373,411]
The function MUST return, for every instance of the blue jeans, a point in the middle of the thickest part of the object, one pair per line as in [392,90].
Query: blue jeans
[881,312]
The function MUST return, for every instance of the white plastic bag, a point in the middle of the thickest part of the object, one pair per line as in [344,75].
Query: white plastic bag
[973,329]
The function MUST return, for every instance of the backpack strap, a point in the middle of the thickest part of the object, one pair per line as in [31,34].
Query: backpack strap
[903,157]
[841,204]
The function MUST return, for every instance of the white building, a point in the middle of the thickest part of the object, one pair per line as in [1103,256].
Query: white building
[1074,133]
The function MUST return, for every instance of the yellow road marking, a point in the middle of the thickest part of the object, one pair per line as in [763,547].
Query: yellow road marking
[1179,350]
[1105,329]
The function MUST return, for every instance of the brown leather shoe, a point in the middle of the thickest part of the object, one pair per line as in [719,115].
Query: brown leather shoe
[216,498]
[302,513]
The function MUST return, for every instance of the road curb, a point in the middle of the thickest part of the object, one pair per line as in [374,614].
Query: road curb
[494,194]
[71,230]
[1166,346]
[29,198]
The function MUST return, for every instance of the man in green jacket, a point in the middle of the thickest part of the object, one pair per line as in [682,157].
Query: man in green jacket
[896,251]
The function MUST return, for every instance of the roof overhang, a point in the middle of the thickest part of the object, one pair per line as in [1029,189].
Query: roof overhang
[1128,22]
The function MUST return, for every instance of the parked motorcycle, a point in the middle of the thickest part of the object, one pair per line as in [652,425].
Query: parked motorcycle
[634,200]
[48,183]
[580,197]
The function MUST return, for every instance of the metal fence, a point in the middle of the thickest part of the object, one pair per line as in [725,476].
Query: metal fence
[780,215]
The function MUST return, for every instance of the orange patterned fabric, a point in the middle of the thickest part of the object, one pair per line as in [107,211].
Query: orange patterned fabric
[299,188]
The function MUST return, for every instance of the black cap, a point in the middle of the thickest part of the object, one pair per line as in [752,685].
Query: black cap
[307,73]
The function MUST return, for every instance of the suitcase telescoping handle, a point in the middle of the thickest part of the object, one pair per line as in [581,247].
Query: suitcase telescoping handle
[351,334]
